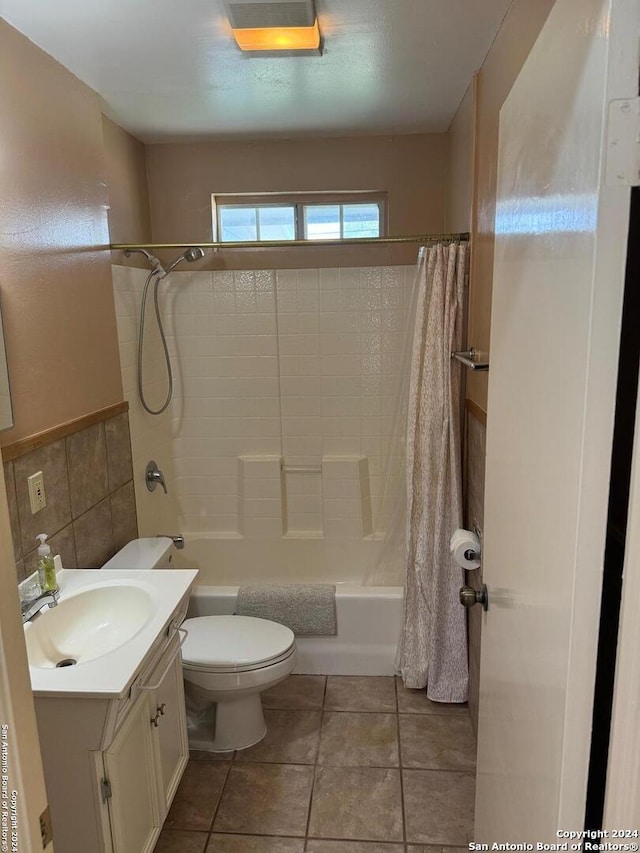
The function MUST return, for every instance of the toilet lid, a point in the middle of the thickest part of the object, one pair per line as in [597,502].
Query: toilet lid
[234,642]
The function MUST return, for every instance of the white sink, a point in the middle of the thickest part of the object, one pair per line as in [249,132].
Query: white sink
[87,625]
[105,627]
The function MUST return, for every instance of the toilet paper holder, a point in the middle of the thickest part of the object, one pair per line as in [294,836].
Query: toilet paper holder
[470,554]
[469,540]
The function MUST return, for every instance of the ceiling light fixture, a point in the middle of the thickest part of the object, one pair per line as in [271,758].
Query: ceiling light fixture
[278,38]
[274,25]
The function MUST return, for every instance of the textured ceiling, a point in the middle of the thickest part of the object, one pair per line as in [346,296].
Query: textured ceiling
[169,69]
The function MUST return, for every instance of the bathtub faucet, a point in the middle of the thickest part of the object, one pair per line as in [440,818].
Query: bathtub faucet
[177,539]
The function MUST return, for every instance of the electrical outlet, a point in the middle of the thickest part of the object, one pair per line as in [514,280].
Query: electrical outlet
[37,497]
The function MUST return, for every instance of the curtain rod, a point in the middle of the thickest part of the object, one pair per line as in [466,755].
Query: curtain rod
[287,244]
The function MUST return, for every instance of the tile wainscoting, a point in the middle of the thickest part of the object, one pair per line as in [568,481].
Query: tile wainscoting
[88,479]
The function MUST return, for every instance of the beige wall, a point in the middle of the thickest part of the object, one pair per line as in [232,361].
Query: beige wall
[71,182]
[55,277]
[126,168]
[460,182]
[63,167]
[511,47]
[412,169]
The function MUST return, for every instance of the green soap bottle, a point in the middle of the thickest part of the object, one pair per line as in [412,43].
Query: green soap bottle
[46,566]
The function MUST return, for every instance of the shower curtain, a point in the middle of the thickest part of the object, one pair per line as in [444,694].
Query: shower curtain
[433,648]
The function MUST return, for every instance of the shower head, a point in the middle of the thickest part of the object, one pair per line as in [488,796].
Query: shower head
[155,263]
[193,253]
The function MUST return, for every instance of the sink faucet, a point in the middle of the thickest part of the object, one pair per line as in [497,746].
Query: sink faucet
[34,605]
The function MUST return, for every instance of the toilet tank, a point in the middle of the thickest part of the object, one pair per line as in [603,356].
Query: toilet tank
[153,553]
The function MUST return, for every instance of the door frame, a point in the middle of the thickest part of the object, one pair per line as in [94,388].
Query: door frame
[622,795]
[17,709]
[622,792]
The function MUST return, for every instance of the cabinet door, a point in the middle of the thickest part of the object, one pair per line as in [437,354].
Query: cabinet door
[130,767]
[171,731]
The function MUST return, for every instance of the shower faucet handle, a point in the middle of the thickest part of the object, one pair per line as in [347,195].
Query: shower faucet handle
[153,475]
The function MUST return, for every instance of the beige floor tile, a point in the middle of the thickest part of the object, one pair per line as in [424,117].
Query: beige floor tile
[197,796]
[298,692]
[416,702]
[204,755]
[438,806]
[359,740]
[360,693]
[292,738]
[362,803]
[265,798]
[254,844]
[177,841]
[352,847]
[437,743]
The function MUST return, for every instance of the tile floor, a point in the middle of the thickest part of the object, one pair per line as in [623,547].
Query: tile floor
[349,765]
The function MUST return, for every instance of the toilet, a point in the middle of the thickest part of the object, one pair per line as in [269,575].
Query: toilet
[227,662]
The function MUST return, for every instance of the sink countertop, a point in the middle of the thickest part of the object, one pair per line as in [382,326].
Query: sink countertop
[111,675]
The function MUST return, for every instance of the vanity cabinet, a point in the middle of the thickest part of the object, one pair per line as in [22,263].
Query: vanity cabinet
[171,732]
[129,783]
[146,760]
[113,764]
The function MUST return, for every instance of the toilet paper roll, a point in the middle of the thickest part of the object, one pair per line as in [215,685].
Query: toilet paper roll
[461,542]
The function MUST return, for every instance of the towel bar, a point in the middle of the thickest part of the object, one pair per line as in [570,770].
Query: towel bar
[470,359]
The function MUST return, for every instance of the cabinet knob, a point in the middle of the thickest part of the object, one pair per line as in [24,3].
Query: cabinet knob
[161,708]
[154,720]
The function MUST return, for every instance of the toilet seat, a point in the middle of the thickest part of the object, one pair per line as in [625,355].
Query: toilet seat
[234,644]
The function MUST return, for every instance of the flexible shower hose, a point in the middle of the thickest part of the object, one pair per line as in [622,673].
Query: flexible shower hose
[143,309]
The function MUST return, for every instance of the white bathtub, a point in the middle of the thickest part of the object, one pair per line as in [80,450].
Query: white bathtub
[369,617]
[369,620]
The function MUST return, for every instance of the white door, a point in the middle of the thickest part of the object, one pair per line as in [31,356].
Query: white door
[561,233]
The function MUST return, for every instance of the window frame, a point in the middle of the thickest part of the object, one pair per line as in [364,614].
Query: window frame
[299,201]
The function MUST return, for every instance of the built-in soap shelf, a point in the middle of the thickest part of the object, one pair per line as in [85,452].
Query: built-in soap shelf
[273,503]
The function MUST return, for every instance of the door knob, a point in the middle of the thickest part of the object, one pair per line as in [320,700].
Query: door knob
[470,596]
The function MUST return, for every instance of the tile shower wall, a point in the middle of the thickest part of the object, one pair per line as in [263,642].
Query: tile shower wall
[90,512]
[292,367]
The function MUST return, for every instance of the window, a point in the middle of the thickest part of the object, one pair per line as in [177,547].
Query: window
[309,216]
[239,222]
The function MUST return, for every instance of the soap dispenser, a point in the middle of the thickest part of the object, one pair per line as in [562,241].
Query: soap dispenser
[46,566]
